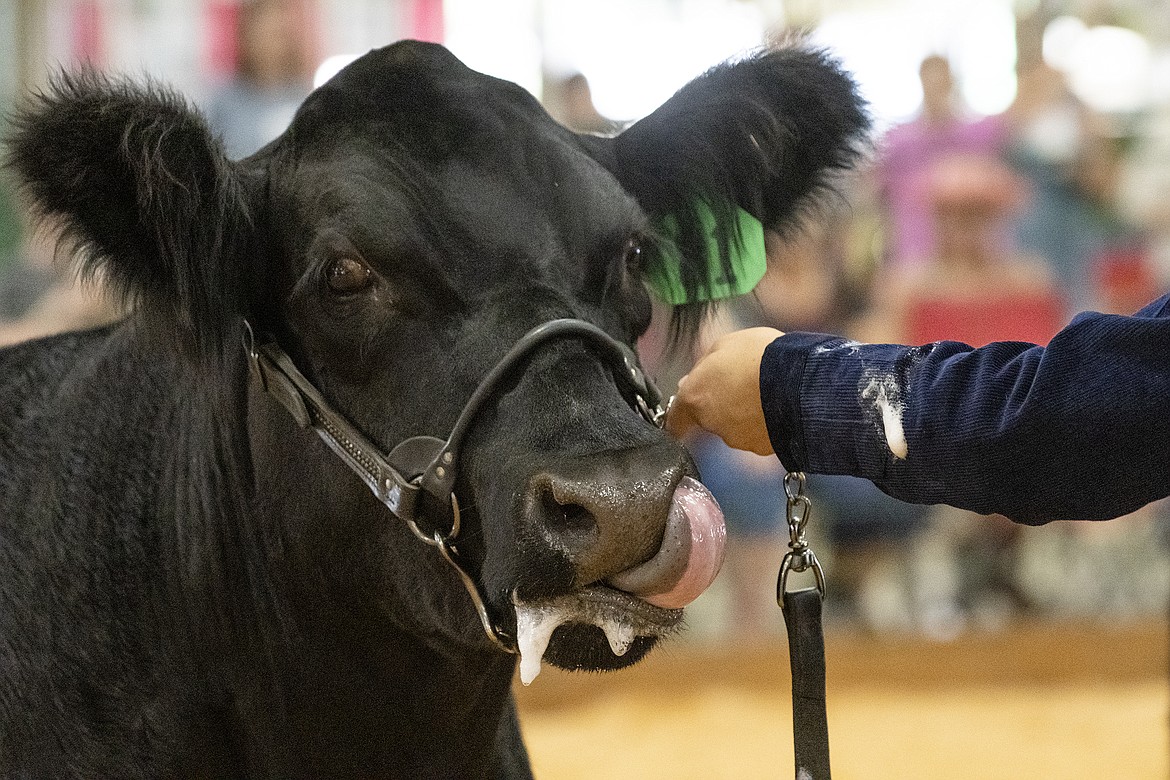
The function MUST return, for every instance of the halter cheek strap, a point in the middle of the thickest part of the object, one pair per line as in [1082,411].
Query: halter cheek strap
[429,464]
[281,379]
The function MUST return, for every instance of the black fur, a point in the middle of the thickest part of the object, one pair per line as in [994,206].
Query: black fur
[764,133]
[145,195]
[193,586]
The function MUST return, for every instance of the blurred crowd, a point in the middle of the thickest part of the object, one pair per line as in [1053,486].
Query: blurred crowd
[964,228]
[272,52]
[975,230]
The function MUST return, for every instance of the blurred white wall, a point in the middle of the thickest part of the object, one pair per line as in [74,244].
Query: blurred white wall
[635,53]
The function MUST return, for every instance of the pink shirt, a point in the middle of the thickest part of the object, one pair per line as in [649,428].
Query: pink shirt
[908,153]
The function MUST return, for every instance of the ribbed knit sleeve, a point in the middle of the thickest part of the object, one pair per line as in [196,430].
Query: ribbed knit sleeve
[1079,429]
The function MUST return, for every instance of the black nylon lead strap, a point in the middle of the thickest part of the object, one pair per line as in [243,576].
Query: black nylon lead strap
[806,652]
[806,638]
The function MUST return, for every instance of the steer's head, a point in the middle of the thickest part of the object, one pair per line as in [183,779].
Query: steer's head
[414,222]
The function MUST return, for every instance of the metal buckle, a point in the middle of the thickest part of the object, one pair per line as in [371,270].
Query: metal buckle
[658,420]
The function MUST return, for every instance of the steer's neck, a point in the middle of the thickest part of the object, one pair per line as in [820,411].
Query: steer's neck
[380,657]
[426,717]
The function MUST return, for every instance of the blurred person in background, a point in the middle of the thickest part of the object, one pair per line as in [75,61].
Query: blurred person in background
[273,75]
[570,101]
[1075,430]
[908,153]
[1073,165]
[974,288]
[1143,195]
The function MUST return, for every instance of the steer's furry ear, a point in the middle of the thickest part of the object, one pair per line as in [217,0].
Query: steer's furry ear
[763,133]
[144,193]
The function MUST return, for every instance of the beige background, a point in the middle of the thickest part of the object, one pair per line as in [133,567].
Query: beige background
[1039,701]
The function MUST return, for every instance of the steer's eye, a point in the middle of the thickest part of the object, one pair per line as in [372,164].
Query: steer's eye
[632,255]
[348,275]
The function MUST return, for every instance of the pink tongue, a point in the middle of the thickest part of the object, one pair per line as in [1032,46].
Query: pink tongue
[691,552]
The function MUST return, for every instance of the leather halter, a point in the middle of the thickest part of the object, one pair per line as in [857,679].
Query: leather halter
[426,465]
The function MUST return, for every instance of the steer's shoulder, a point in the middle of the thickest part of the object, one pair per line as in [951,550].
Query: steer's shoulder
[48,384]
[33,368]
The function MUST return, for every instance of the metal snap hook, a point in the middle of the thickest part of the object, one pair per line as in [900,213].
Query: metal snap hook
[661,412]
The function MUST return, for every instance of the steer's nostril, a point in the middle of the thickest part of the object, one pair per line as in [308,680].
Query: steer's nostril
[577,517]
[603,513]
[569,516]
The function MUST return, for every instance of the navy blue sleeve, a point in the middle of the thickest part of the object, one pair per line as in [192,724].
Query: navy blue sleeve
[1077,430]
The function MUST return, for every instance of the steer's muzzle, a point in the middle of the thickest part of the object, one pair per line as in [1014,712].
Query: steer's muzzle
[642,537]
[633,519]
[605,512]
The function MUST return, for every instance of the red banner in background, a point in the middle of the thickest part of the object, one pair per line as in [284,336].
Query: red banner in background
[220,20]
[87,33]
[221,50]
[424,20]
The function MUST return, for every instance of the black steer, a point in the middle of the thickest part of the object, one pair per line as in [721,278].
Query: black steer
[192,584]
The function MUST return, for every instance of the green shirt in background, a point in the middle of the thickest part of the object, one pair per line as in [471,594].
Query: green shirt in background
[9,224]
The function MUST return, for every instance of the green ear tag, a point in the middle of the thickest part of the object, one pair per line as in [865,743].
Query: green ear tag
[747,256]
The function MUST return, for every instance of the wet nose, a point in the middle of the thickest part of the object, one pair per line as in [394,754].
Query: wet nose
[607,511]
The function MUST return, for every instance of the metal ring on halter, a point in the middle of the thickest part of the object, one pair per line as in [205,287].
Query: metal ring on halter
[249,339]
[431,540]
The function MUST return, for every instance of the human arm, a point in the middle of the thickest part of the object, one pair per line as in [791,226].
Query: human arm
[1077,430]
[722,392]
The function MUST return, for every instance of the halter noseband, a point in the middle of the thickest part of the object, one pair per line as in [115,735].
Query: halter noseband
[426,464]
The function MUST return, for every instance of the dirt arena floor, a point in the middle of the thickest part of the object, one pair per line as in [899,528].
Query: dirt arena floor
[1055,702]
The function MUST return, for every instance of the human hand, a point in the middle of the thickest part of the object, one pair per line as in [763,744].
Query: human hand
[722,392]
